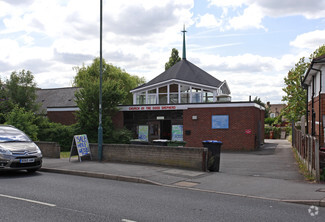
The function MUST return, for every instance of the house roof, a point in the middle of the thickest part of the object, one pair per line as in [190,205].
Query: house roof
[313,68]
[187,71]
[276,107]
[57,97]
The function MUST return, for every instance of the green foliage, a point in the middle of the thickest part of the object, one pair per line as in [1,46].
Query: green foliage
[116,85]
[21,90]
[173,59]
[23,120]
[5,104]
[276,131]
[122,136]
[322,175]
[110,73]
[55,132]
[295,94]
[259,102]
[269,120]
[87,101]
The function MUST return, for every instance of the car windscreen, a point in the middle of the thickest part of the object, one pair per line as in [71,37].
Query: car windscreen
[8,134]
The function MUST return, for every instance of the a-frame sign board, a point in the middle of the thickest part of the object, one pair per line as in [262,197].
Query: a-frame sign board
[80,147]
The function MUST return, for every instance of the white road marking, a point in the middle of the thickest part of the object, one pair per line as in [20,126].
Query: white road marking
[27,200]
[126,220]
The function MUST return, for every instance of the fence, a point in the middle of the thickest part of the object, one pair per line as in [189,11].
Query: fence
[308,151]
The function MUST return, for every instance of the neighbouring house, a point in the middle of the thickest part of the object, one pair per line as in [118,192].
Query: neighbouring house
[58,104]
[275,109]
[314,82]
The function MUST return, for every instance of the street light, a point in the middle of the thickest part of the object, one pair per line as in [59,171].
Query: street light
[100,128]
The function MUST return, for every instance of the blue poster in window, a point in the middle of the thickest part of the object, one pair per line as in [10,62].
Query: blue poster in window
[220,122]
[177,132]
[143,132]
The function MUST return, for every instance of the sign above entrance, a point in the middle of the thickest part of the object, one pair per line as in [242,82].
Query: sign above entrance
[141,108]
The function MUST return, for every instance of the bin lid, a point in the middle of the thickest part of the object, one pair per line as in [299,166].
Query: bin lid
[211,141]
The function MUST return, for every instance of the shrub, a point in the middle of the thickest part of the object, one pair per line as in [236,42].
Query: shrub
[269,121]
[276,131]
[56,132]
[23,120]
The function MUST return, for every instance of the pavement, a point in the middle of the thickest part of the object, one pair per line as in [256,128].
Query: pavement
[270,173]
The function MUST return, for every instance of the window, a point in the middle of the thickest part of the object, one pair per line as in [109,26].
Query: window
[152,99]
[173,93]
[185,94]
[207,96]
[163,95]
[196,95]
[141,99]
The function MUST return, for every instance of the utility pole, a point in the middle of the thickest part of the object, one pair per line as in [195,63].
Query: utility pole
[100,127]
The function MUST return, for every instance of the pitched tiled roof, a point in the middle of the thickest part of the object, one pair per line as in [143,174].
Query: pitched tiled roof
[186,71]
[57,97]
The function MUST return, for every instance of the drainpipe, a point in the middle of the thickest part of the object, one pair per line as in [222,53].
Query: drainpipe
[319,101]
[312,108]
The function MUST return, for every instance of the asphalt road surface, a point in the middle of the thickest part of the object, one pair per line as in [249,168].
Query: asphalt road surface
[55,197]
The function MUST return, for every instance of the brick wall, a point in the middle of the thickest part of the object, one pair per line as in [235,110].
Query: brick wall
[63,117]
[234,138]
[49,149]
[318,117]
[190,158]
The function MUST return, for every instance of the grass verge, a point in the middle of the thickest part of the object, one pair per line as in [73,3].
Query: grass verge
[303,168]
[65,154]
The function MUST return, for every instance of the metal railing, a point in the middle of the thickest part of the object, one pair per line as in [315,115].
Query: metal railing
[307,147]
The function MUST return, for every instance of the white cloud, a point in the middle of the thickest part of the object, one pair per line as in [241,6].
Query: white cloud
[248,14]
[310,40]
[251,18]
[209,21]
[227,3]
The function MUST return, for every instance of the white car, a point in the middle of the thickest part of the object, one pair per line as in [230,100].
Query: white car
[18,151]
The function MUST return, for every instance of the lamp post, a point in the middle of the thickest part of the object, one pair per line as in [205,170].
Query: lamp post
[100,128]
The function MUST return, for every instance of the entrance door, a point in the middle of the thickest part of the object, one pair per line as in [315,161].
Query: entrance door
[154,130]
[166,129]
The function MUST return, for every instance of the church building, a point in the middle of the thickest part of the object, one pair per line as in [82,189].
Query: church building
[185,103]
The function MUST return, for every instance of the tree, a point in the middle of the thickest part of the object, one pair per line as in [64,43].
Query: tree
[259,102]
[5,104]
[295,94]
[110,73]
[116,88]
[23,120]
[173,59]
[21,90]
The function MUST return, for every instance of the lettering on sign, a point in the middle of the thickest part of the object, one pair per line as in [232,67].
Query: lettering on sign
[140,108]
[80,146]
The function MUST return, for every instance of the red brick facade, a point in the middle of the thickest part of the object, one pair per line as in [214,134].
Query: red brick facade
[63,117]
[245,131]
[242,132]
[318,126]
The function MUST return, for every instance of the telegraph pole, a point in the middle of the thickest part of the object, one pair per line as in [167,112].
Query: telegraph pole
[100,127]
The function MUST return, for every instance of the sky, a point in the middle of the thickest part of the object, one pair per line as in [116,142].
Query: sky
[252,44]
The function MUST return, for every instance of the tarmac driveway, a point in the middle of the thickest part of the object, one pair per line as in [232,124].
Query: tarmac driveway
[274,160]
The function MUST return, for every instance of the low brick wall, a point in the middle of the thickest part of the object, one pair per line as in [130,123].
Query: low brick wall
[49,149]
[180,157]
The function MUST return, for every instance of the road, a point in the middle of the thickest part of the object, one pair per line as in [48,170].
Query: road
[55,197]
